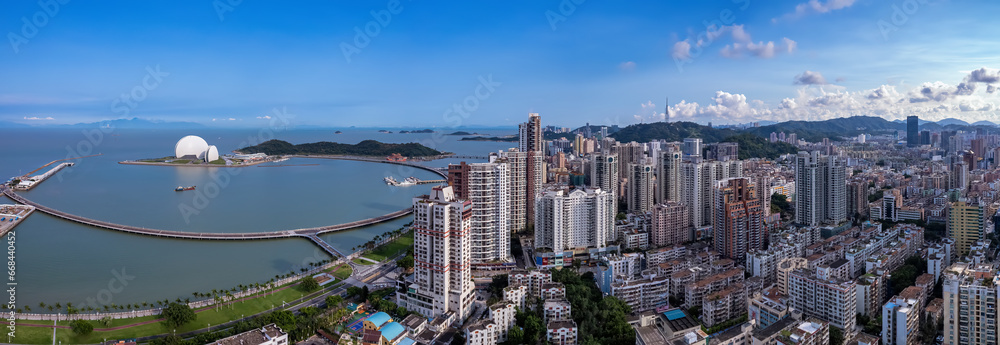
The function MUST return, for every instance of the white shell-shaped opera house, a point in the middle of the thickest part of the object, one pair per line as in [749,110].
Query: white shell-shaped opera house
[194,147]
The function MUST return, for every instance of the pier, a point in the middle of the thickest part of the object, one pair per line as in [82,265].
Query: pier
[27,183]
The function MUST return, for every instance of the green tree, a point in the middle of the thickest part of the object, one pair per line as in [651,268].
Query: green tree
[81,327]
[308,284]
[836,336]
[284,319]
[176,315]
[405,263]
[333,301]
[364,293]
[515,336]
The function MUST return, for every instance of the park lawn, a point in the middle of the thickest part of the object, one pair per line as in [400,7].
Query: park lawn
[219,161]
[342,272]
[361,262]
[400,244]
[40,335]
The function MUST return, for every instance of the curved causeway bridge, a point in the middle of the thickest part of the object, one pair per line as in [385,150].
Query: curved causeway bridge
[310,233]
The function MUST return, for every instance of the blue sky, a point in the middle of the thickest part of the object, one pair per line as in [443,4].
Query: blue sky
[572,61]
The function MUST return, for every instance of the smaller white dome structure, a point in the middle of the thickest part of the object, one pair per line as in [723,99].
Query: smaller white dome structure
[191,146]
[212,154]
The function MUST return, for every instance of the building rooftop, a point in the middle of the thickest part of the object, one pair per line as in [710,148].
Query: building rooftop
[561,324]
[254,336]
[378,319]
[392,330]
[414,321]
[677,320]
[774,328]
[649,335]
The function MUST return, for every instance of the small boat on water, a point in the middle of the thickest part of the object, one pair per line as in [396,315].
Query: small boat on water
[181,189]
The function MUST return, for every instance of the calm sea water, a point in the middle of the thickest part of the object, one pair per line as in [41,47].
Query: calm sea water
[61,261]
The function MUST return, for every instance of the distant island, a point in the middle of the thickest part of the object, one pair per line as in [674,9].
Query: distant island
[364,148]
[511,138]
[465,133]
[418,131]
[338,132]
[384,131]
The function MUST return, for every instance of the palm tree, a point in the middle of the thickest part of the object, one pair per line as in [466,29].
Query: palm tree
[58,306]
[41,304]
[27,308]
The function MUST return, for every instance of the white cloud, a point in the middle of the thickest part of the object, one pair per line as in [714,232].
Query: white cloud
[930,100]
[682,50]
[764,50]
[816,7]
[684,109]
[627,66]
[36,118]
[809,78]
[265,117]
[741,44]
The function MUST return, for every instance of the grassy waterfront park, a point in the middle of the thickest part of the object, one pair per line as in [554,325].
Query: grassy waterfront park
[212,316]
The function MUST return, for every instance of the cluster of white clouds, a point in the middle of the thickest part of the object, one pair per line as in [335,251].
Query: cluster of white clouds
[742,44]
[36,118]
[226,119]
[816,6]
[817,100]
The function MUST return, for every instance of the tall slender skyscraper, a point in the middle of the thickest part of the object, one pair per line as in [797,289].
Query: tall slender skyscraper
[533,146]
[526,171]
[912,131]
[487,186]
[697,180]
[640,187]
[668,176]
[441,248]
[739,218]
[820,189]
[530,138]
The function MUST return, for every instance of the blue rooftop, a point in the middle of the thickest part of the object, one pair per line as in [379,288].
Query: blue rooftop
[379,319]
[406,341]
[392,330]
[674,314]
